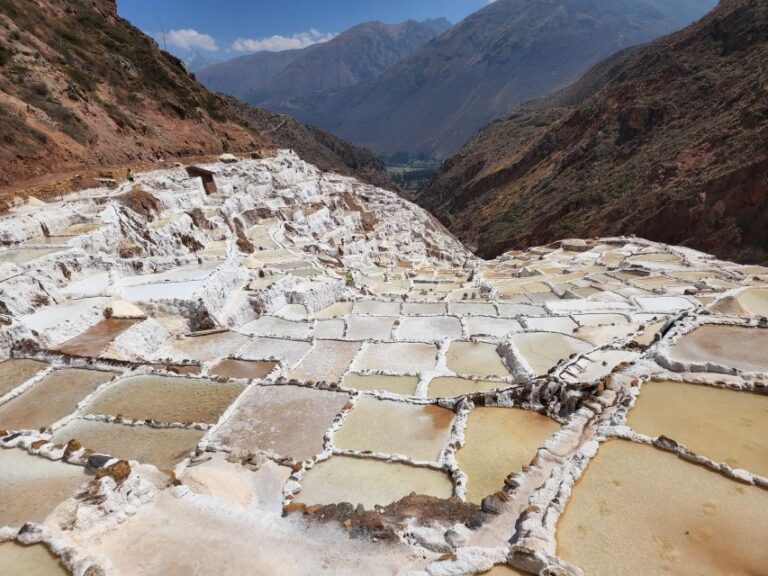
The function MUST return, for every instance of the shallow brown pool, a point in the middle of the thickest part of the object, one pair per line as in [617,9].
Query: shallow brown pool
[51,399]
[162,447]
[95,340]
[13,373]
[166,398]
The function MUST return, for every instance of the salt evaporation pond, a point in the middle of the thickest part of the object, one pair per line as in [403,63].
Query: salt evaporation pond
[286,420]
[725,425]
[24,255]
[35,560]
[732,346]
[369,482]
[327,361]
[638,510]
[247,369]
[405,385]
[450,386]
[166,399]
[95,340]
[32,486]
[396,357]
[206,347]
[51,399]
[544,350]
[499,442]
[163,447]
[13,373]
[475,359]
[389,427]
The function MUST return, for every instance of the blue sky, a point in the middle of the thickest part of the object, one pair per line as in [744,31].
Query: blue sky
[226,28]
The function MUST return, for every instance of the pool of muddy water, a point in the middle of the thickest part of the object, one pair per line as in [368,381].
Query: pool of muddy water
[390,427]
[15,372]
[167,399]
[51,399]
[163,447]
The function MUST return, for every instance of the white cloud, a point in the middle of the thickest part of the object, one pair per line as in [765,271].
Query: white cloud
[190,39]
[277,43]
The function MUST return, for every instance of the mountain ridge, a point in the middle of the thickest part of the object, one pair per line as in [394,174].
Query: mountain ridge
[670,142]
[508,52]
[82,88]
[357,54]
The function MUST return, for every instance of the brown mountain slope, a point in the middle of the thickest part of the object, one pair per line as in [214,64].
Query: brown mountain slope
[81,87]
[673,147]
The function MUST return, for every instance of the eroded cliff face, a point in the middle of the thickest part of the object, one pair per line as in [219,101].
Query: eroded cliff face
[668,141]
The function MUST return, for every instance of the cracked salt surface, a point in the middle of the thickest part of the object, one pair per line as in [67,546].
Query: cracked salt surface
[546,407]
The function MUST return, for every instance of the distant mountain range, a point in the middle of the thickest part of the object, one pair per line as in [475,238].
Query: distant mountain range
[82,88]
[363,52]
[506,53]
[668,141]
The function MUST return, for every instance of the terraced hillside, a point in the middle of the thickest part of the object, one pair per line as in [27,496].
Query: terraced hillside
[288,371]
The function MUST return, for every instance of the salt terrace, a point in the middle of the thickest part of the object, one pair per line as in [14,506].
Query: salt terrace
[304,374]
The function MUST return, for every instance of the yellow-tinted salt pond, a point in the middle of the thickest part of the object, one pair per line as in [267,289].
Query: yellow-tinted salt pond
[24,255]
[499,442]
[13,373]
[206,347]
[639,511]
[405,385]
[475,359]
[391,427]
[544,350]
[336,310]
[733,346]
[51,399]
[163,447]
[724,425]
[32,486]
[247,369]
[450,387]
[166,399]
[35,560]
[96,339]
[287,420]
[369,482]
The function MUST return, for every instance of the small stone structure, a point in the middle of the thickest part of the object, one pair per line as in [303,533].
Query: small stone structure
[206,175]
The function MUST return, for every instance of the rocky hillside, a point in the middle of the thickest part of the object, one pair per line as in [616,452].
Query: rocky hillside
[361,53]
[82,88]
[673,147]
[506,53]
